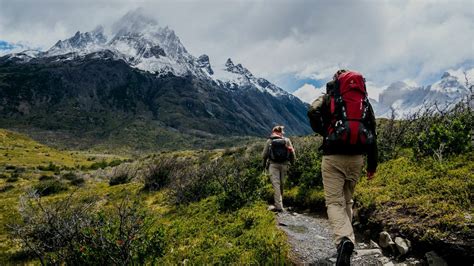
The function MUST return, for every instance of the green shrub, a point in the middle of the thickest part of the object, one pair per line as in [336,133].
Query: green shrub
[195,182]
[122,175]
[306,171]
[444,138]
[19,170]
[6,188]
[159,173]
[71,231]
[115,162]
[77,182]
[3,176]
[13,177]
[235,178]
[50,187]
[241,183]
[69,176]
[46,177]
[98,165]
[50,167]
[120,178]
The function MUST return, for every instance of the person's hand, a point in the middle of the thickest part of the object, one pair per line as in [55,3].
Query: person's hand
[370,175]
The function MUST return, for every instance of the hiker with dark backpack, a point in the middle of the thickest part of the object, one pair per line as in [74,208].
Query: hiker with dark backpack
[345,119]
[278,153]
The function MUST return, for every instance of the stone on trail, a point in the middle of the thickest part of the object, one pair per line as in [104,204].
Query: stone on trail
[403,245]
[373,244]
[385,240]
[366,252]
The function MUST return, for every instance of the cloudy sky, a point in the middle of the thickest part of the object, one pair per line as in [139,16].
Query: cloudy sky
[290,42]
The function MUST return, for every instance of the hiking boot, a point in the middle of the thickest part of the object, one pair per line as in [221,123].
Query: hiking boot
[280,210]
[344,252]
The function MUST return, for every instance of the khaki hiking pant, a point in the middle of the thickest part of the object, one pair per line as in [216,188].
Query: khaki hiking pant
[340,176]
[277,176]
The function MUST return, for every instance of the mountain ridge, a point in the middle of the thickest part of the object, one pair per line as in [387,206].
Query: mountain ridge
[91,85]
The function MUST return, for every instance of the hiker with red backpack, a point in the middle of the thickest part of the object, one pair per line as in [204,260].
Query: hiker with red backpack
[277,155]
[345,119]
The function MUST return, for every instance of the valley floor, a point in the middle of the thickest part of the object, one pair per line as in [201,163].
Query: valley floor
[211,206]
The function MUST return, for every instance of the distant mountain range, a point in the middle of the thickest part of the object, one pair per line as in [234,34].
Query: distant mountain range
[404,99]
[90,84]
[452,87]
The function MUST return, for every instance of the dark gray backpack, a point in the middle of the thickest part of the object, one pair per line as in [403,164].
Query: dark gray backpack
[278,151]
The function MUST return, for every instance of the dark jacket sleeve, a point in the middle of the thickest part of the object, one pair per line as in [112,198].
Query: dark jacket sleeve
[372,152]
[316,115]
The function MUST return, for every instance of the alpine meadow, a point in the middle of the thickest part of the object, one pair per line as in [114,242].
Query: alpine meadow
[119,146]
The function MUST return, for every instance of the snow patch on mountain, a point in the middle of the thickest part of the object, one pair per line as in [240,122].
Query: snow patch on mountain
[234,76]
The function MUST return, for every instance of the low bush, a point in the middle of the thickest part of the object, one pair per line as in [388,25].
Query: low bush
[194,182]
[13,177]
[69,176]
[72,231]
[306,171]
[235,178]
[122,175]
[50,167]
[159,173]
[444,138]
[6,188]
[77,182]
[46,177]
[50,187]
[242,182]
[98,165]
[115,162]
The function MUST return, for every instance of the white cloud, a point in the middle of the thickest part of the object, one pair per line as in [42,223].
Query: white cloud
[374,90]
[387,41]
[308,93]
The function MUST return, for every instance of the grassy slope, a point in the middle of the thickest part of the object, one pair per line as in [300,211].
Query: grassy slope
[19,150]
[198,232]
[426,199]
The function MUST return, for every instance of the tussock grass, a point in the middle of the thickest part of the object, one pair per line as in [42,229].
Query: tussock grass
[431,198]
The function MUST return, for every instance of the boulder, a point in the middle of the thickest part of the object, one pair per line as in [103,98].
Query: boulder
[385,240]
[403,245]
[373,244]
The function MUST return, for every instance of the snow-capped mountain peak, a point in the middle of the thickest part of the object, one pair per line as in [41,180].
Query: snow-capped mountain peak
[234,76]
[82,43]
[141,42]
[449,84]
[203,63]
[405,99]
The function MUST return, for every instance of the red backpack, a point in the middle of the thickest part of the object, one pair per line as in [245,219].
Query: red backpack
[349,107]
